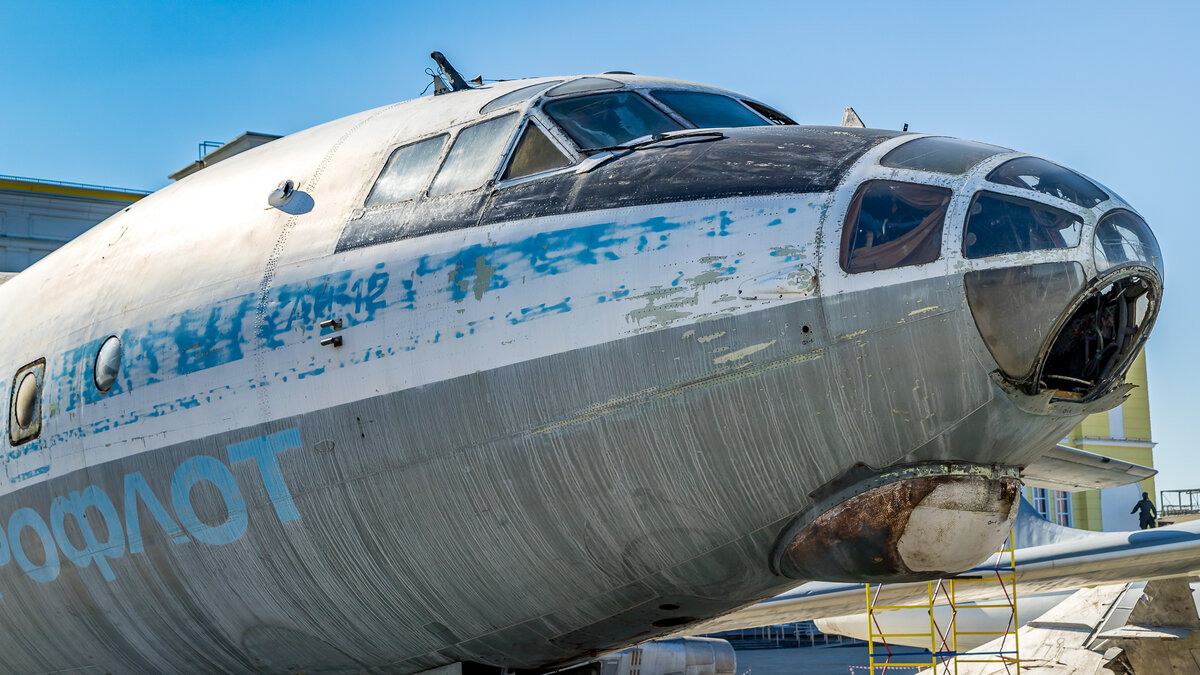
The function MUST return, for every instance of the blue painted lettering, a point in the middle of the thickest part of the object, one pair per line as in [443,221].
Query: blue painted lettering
[93,550]
[264,452]
[28,518]
[199,468]
[135,487]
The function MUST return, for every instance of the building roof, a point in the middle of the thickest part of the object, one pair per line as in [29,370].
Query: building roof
[247,141]
[63,188]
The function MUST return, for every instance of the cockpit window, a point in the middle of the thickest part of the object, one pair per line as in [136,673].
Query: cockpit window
[474,156]
[406,171]
[1122,237]
[603,120]
[585,84]
[1036,174]
[516,96]
[999,224]
[534,153]
[891,224]
[940,155]
[770,113]
[708,111]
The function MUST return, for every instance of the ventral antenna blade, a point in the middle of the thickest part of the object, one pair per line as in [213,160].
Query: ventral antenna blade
[457,83]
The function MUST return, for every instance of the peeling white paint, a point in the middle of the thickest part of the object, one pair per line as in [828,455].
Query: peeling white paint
[742,353]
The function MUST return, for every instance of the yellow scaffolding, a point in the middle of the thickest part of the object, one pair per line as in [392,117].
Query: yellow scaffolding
[943,655]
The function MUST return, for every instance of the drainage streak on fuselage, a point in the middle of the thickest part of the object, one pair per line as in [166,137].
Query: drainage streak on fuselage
[515,382]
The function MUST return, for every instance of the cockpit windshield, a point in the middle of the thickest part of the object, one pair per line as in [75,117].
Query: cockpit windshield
[605,120]
[708,111]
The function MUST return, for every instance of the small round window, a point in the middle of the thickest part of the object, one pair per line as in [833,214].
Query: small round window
[108,363]
[27,400]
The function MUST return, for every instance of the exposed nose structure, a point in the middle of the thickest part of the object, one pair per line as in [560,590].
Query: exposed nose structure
[1070,326]
[1063,280]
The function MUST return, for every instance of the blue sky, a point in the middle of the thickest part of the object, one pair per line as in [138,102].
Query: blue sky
[121,93]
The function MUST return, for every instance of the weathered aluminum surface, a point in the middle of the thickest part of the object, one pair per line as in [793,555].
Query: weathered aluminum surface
[535,437]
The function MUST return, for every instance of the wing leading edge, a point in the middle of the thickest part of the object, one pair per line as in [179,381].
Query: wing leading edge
[1078,559]
[1072,470]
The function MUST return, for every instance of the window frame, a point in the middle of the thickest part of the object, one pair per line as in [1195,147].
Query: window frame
[1063,514]
[1042,496]
[483,110]
[492,178]
[383,167]
[18,435]
[1020,196]
[678,116]
[845,254]
[785,120]
[641,93]
[570,152]
[1073,205]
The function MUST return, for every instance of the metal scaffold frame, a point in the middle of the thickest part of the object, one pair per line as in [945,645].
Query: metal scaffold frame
[943,655]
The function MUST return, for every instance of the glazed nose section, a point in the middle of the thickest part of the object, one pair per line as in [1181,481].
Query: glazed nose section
[1124,239]
[1016,310]
[1062,327]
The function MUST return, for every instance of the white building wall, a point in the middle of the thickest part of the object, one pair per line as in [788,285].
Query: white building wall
[1116,422]
[1115,504]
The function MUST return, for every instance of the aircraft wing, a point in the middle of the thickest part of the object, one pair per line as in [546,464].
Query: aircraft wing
[1090,560]
[1065,468]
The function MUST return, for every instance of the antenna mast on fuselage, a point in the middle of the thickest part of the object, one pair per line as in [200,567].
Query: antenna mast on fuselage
[457,83]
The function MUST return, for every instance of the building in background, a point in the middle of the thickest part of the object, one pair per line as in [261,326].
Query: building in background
[211,152]
[1122,433]
[38,216]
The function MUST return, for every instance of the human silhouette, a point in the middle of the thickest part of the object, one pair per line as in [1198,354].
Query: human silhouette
[1148,513]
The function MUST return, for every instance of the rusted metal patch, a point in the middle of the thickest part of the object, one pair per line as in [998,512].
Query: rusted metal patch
[859,538]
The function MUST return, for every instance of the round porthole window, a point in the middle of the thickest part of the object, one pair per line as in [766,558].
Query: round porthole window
[27,398]
[108,363]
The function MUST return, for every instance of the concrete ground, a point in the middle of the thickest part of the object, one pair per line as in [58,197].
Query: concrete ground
[848,660]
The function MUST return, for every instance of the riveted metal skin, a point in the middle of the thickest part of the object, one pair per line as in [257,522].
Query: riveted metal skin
[555,427]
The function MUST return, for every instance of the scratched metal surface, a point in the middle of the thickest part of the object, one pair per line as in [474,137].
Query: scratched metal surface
[513,516]
[537,432]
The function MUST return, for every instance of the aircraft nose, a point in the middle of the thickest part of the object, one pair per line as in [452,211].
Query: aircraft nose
[1071,326]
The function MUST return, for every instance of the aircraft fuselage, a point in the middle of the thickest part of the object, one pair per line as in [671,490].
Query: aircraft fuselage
[517,426]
